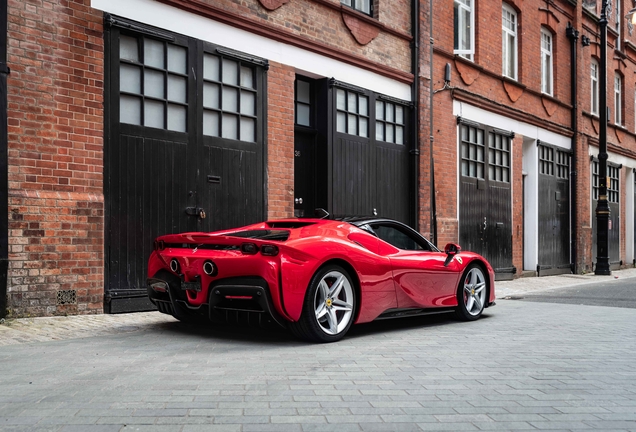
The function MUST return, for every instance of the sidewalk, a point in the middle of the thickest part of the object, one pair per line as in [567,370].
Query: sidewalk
[25,330]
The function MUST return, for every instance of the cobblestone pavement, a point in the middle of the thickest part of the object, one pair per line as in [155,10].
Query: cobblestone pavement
[523,366]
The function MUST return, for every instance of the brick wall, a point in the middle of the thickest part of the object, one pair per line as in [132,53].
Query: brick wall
[280,141]
[55,127]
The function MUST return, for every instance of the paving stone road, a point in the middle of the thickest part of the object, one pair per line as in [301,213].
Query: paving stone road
[523,366]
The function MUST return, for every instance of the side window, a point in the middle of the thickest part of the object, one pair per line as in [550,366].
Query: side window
[397,238]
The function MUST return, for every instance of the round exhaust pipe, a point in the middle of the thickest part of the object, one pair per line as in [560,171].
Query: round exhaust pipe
[174,265]
[209,268]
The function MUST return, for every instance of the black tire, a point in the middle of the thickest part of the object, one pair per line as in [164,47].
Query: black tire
[328,310]
[472,293]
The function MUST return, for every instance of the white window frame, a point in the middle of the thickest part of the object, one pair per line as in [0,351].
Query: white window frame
[547,63]
[594,71]
[464,6]
[509,41]
[618,100]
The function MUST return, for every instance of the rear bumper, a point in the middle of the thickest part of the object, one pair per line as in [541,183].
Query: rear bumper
[239,300]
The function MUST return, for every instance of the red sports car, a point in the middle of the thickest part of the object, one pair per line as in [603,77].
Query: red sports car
[315,276]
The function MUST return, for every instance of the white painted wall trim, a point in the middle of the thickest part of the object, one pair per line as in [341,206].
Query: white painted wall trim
[176,20]
[479,115]
[629,218]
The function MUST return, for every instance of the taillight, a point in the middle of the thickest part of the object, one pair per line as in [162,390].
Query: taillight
[269,250]
[249,248]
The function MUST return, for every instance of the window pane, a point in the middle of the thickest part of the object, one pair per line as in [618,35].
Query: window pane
[177,89]
[302,115]
[230,99]
[399,114]
[465,31]
[229,127]
[153,84]
[352,104]
[153,53]
[341,122]
[153,114]
[247,77]
[399,135]
[211,95]
[364,127]
[379,131]
[379,110]
[130,79]
[211,123]
[230,72]
[177,118]
[247,129]
[177,59]
[302,92]
[341,100]
[389,112]
[352,125]
[248,103]
[211,67]
[389,133]
[128,48]
[363,108]
[130,109]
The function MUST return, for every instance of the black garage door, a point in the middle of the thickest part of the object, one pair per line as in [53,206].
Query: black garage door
[184,147]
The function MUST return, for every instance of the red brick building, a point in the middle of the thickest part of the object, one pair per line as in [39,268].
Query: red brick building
[516,132]
[130,119]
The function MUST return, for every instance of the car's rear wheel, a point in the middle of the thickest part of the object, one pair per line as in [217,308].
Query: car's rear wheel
[471,293]
[329,307]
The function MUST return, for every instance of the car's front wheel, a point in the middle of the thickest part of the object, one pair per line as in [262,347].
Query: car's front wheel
[471,293]
[329,307]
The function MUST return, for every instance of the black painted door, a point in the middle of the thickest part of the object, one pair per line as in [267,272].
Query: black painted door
[370,156]
[182,153]
[554,211]
[485,216]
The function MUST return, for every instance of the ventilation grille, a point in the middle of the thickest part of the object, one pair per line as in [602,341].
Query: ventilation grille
[66,297]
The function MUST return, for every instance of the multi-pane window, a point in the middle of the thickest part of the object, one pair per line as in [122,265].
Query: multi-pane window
[464,28]
[562,165]
[352,113]
[612,186]
[509,42]
[594,87]
[389,122]
[617,22]
[363,6]
[546,62]
[303,103]
[498,157]
[546,160]
[229,99]
[554,162]
[618,103]
[472,152]
[595,178]
[153,83]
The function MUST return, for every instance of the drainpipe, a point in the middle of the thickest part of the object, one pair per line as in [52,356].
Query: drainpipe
[573,35]
[415,96]
[431,161]
[4,163]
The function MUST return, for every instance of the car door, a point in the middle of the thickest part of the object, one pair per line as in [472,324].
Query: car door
[421,276]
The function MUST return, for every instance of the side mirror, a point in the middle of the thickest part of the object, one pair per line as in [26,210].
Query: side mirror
[452,249]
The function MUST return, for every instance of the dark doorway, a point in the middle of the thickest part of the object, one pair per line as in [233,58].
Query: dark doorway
[554,211]
[184,146]
[485,216]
